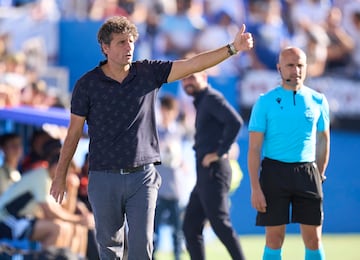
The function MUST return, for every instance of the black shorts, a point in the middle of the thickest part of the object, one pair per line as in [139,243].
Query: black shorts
[294,187]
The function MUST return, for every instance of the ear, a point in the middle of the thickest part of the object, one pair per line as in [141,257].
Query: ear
[105,47]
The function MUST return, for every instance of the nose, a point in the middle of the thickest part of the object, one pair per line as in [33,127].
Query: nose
[129,45]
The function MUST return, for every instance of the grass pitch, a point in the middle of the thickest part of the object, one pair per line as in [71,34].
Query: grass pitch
[336,246]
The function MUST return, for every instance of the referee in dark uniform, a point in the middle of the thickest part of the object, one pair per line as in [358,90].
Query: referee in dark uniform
[217,125]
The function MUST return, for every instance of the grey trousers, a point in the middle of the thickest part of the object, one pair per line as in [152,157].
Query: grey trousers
[114,196]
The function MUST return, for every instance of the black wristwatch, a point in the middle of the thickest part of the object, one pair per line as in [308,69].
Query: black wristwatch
[231,49]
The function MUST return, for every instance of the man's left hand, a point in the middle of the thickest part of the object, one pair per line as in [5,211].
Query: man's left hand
[243,40]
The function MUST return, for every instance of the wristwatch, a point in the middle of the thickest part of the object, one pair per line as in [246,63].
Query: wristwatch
[231,49]
[323,178]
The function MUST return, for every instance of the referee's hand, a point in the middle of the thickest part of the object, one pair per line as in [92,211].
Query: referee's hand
[258,200]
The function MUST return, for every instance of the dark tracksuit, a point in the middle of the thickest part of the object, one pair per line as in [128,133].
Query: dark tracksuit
[217,126]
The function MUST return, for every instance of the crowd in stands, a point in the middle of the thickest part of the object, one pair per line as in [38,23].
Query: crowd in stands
[328,30]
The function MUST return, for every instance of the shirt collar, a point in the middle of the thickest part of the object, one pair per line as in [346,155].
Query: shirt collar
[199,96]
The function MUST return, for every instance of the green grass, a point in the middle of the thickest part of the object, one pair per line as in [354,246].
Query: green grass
[337,247]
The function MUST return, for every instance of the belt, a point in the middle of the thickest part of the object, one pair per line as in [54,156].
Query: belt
[134,169]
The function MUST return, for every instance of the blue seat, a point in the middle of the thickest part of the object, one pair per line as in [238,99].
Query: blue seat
[21,244]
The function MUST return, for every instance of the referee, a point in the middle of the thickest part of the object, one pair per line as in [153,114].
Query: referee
[290,125]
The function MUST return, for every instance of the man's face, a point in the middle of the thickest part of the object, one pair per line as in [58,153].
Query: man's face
[194,83]
[13,149]
[292,68]
[121,49]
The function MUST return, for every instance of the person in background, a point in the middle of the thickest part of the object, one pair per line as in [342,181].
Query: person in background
[103,9]
[269,31]
[12,148]
[352,23]
[175,43]
[117,100]
[290,124]
[217,125]
[35,157]
[27,211]
[341,44]
[168,202]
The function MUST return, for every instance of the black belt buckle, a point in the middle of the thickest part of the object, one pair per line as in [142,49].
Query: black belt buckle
[134,169]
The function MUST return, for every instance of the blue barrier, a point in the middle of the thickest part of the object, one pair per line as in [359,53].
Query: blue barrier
[36,117]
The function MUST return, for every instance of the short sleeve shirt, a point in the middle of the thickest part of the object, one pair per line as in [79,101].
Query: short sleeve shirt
[289,121]
[121,116]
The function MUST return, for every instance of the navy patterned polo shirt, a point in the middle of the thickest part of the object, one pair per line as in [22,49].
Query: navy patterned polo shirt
[121,116]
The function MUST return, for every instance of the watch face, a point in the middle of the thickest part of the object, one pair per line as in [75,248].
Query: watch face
[231,49]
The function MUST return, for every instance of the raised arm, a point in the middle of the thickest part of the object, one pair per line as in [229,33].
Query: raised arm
[181,68]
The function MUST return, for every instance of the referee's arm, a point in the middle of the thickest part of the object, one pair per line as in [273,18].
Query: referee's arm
[322,151]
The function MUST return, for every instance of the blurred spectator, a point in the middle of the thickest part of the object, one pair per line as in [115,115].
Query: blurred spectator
[269,32]
[220,31]
[304,15]
[29,212]
[286,14]
[316,47]
[15,70]
[12,149]
[53,98]
[9,96]
[164,6]
[234,8]
[168,209]
[127,5]
[175,43]
[35,157]
[341,44]
[352,23]
[102,9]
[308,18]
[3,46]
[75,9]
[148,22]
[12,79]
[38,19]
[34,94]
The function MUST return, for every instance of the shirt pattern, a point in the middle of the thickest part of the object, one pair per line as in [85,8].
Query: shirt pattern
[121,116]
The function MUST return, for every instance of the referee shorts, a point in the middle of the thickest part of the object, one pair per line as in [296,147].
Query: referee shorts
[291,187]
